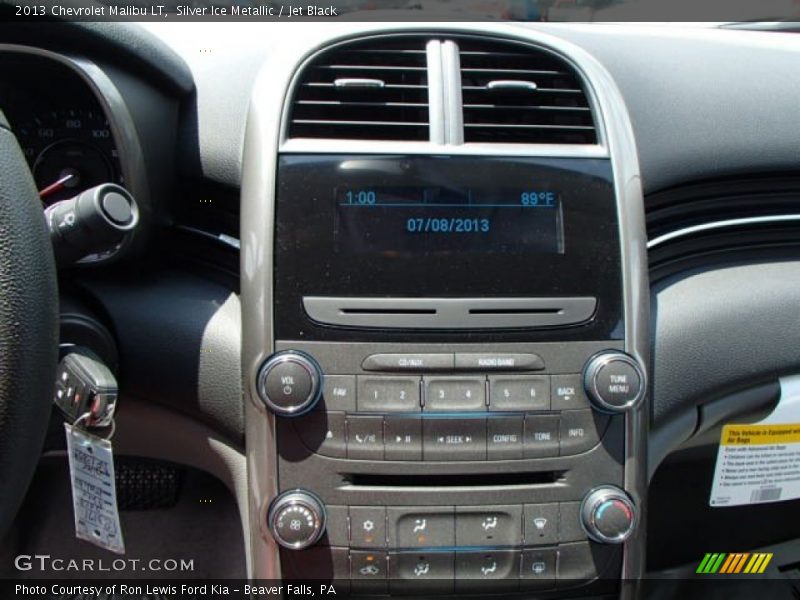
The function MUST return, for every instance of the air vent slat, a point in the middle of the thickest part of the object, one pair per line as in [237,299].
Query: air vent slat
[394,109]
[549,106]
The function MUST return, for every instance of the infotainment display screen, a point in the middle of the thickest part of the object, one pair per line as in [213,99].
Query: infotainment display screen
[389,226]
[448,219]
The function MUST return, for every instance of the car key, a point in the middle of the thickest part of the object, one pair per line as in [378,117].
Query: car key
[85,388]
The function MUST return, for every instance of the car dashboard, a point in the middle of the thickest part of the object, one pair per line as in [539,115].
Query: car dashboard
[450,308]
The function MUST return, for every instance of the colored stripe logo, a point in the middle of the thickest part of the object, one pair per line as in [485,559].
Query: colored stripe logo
[734,563]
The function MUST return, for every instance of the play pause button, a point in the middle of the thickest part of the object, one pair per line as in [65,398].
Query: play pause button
[403,438]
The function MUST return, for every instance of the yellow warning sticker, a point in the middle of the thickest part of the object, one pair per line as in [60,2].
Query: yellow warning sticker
[758,435]
[760,462]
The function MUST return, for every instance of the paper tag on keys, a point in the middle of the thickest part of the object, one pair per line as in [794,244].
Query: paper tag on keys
[94,494]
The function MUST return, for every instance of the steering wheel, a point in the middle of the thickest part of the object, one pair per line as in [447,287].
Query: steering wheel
[28,326]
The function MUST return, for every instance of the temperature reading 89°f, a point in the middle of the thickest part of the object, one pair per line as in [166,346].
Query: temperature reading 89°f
[533,198]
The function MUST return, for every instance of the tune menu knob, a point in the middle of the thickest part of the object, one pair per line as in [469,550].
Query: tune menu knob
[608,515]
[296,519]
[289,383]
[614,381]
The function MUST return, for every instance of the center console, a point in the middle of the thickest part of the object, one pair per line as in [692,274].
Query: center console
[445,376]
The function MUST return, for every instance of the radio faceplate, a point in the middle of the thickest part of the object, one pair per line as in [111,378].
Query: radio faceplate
[449,324]
[490,449]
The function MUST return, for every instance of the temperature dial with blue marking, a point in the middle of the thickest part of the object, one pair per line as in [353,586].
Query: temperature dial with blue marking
[608,515]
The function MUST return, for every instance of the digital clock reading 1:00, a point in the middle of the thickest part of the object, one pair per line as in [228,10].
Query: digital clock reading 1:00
[444,219]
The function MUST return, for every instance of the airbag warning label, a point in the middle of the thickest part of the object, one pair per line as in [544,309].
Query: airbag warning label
[761,462]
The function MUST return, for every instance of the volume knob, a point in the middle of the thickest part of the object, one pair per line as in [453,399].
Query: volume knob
[296,519]
[608,515]
[289,383]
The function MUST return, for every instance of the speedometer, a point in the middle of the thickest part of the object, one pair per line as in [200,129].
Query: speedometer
[69,150]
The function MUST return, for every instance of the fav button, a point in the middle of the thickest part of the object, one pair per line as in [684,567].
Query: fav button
[339,392]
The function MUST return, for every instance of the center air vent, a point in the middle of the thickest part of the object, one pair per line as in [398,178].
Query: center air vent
[514,94]
[374,89]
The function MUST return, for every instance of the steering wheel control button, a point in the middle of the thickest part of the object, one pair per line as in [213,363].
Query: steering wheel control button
[367,527]
[541,436]
[296,519]
[567,392]
[541,524]
[488,526]
[608,515]
[581,430]
[453,439]
[289,383]
[339,392]
[519,393]
[388,394]
[413,527]
[403,438]
[416,363]
[455,394]
[473,361]
[365,438]
[614,381]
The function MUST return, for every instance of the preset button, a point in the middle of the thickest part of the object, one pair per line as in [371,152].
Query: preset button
[455,394]
[388,394]
[519,393]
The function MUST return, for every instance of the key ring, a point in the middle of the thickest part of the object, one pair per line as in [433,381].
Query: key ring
[87,415]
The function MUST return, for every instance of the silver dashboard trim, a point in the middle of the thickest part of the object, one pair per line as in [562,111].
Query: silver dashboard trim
[450,313]
[716,225]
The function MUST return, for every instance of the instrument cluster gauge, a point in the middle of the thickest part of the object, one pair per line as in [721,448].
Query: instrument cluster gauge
[69,150]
